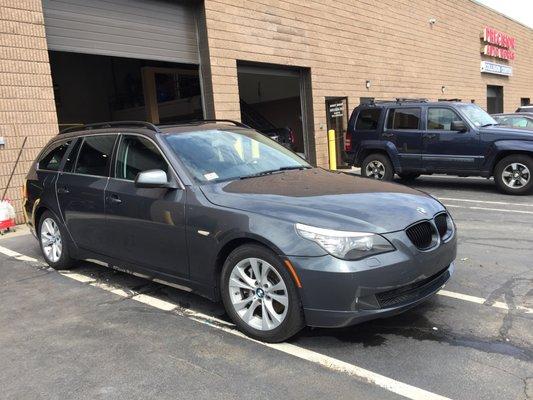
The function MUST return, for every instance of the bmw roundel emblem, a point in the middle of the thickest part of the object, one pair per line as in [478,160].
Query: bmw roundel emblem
[421,210]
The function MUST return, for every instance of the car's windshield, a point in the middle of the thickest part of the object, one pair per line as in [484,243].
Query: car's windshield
[216,155]
[477,115]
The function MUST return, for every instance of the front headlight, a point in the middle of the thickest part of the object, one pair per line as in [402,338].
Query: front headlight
[346,245]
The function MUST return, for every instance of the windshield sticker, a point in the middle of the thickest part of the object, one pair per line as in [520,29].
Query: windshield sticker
[210,176]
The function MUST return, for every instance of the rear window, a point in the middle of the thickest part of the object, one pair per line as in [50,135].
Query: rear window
[95,154]
[367,120]
[52,159]
[403,118]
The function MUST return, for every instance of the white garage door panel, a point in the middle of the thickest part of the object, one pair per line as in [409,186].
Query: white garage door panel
[147,29]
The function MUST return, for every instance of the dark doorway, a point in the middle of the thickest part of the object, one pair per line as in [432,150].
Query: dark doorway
[91,88]
[337,119]
[494,99]
[272,102]
[525,101]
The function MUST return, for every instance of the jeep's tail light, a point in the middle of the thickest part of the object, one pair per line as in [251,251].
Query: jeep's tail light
[348,141]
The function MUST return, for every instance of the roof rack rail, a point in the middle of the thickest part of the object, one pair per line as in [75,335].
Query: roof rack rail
[229,121]
[398,100]
[453,100]
[112,124]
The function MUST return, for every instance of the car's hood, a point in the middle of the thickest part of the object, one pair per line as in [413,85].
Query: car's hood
[505,132]
[326,199]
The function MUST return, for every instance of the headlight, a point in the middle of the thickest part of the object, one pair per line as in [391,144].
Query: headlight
[346,245]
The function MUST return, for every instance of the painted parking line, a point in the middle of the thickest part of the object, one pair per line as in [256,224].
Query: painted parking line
[482,301]
[501,203]
[489,209]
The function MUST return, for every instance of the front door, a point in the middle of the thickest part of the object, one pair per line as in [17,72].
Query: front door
[403,129]
[446,150]
[146,226]
[80,191]
[337,112]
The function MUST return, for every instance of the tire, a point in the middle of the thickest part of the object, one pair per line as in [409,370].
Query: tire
[235,296]
[377,166]
[408,177]
[51,228]
[517,166]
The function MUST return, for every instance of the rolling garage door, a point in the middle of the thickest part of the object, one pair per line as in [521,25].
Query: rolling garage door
[146,29]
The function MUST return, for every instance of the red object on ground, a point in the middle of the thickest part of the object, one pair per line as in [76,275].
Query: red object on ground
[8,223]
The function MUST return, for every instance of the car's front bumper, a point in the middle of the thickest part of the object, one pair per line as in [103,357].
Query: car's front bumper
[338,293]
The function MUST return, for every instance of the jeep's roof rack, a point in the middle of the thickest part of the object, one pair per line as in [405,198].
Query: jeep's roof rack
[112,124]
[399,100]
[207,121]
[452,100]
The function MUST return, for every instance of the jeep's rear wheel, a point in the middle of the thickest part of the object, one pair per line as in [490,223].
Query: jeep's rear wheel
[377,166]
[513,174]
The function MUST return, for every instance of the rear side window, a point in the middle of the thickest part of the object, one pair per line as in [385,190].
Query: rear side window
[403,118]
[52,159]
[368,119]
[441,118]
[137,154]
[95,154]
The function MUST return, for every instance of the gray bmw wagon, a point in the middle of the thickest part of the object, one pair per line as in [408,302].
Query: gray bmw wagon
[222,210]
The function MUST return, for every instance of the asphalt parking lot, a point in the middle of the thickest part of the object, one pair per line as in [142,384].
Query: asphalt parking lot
[95,333]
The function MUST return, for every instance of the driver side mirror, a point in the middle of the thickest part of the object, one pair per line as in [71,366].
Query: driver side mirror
[459,126]
[154,178]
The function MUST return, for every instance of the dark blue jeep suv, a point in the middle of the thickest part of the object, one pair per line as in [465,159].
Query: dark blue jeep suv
[416,137]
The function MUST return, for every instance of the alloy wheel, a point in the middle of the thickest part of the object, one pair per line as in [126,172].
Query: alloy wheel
[375,169]
[258,294]
[51,240]
[516,175]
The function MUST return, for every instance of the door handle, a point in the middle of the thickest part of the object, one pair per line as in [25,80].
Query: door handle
[430,136]
[63,190]
[114,199]
[387,135]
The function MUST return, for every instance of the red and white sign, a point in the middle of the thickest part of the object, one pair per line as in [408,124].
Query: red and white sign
[499,44]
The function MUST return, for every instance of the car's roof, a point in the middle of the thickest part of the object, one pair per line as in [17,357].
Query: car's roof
[410,103]
[517,114]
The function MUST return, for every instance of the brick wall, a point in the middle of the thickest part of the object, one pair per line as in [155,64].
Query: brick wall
[26,95]
[346,42]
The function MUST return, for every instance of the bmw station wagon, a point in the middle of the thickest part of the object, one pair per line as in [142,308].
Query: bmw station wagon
[230,214]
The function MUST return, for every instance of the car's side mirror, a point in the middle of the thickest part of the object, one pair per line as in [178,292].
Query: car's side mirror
[459,126]
[154,178]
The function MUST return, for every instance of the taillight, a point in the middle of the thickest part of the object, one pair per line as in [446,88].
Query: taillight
[292,137]
[348,142]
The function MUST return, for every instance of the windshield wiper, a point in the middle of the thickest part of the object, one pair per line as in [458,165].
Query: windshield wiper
[273,171]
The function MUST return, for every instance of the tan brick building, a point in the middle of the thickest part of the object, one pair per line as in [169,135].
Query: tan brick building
[82,61]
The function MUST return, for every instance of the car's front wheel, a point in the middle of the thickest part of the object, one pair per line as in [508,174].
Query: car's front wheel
[377,166]
[260,295]
[513,174]
[52,238]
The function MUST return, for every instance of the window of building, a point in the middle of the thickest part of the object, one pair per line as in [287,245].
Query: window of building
[404,118]
[95,154]
[52,159]
[135,155]
[441,118]
[368,119]
[494,99]
[525,101]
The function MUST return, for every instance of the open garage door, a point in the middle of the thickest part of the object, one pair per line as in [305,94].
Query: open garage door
[143,29]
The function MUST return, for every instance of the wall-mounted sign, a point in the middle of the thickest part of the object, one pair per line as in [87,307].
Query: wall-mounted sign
[336,109]
[498,69]
[498,44]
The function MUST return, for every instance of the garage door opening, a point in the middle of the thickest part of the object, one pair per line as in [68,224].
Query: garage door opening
[93,88]
[273,101]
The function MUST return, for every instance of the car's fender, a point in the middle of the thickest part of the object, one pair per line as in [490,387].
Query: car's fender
[506,147]
[368,146]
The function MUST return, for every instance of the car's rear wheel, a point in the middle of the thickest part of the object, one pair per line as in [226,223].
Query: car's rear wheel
[377,166]
[259,294]
[513,174]
[52,239]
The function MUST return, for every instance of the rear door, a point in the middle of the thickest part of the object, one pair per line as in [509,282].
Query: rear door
[146,226]
[403,129]
[80,191]
[446,150]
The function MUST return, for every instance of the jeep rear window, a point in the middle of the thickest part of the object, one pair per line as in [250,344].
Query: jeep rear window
[367,120]
[403,118]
